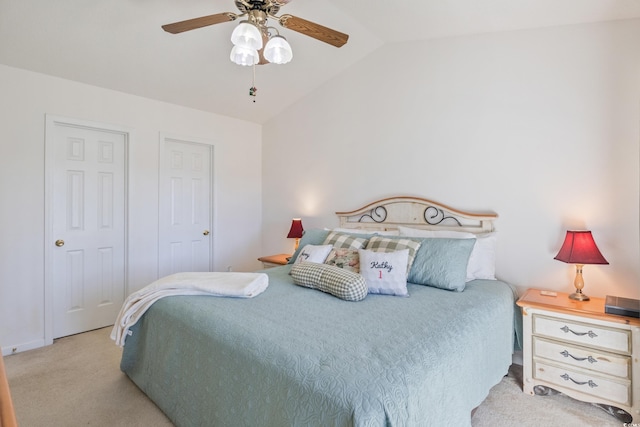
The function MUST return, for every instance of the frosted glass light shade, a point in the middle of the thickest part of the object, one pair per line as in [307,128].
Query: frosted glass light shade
[247,35]
[278,50]
[244,56]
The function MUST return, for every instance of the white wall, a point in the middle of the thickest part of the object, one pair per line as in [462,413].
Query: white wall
[26,98]
[540,126]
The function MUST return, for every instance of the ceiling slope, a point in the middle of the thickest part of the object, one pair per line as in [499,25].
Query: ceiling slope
[120,45]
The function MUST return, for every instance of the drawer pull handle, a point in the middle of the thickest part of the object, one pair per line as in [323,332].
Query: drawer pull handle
[590,333]
[579,359]
[590,383]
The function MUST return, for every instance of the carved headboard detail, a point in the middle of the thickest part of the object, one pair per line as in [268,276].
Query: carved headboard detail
[416,212]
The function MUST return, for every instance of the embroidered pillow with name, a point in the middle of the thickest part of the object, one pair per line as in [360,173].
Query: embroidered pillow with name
[385,272]
[313,253]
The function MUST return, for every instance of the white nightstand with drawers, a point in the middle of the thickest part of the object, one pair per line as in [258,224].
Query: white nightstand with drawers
[575,348]
[274,260]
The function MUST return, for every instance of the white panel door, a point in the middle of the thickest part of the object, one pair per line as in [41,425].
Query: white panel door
[185,238]
[87,247]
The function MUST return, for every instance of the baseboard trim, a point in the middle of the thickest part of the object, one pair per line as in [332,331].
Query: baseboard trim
[18,348]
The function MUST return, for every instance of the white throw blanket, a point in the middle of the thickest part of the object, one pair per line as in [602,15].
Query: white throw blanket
[220,284]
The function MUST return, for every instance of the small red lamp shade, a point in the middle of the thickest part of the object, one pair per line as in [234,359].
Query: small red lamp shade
[296,230]
[579,248]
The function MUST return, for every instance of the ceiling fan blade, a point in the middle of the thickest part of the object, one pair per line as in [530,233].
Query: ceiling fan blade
[311,29]
[203,21]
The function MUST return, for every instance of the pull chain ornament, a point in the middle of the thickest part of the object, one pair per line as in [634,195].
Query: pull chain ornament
[253,90]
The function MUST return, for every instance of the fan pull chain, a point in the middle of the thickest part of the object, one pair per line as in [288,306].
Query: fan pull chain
[253,89]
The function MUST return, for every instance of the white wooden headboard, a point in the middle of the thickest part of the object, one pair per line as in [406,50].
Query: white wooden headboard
[389,213]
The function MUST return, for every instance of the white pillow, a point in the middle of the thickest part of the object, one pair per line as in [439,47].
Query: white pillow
[447,234]
[365,231]
[314,253]
[385,272]
[387,232]
[482,261]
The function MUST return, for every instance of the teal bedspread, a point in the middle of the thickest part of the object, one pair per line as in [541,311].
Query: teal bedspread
[294,356]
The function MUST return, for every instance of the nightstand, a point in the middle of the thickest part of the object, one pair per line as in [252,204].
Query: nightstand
[274,260]
[575,348]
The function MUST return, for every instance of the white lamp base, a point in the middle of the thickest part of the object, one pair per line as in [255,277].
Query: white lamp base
[579,284]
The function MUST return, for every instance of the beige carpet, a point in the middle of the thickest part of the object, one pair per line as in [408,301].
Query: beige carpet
[77,382]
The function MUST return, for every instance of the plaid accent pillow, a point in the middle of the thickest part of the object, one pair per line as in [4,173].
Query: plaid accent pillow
[345,241]
[336,281]
[387,244]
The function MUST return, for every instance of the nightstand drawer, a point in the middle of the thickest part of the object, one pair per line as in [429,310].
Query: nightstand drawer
[613,391]
[583,333]
[582,357]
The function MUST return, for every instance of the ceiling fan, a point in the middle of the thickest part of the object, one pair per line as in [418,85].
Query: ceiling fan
[262,46]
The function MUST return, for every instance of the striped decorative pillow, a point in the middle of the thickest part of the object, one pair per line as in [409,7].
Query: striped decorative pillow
[336,281]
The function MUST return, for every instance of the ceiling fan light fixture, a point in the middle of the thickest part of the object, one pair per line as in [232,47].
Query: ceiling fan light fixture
[278,50]
[244,56]
[247,35]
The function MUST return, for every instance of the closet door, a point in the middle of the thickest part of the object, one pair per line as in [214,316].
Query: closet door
[185,231]
[86,243]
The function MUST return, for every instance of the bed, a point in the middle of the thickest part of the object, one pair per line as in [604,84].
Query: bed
[294,356]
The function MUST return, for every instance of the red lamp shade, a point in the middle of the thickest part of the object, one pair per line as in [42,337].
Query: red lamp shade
[580,248]
[296,229]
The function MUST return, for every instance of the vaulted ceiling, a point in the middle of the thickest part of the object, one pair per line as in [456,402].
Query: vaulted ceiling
[119,44]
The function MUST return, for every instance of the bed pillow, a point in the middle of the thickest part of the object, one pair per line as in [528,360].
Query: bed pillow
[370,232]
[345,240]
[333,280]
[313,236]
[349,259]
[442,263]
[482,262]
[385,272]
[392,244]
[451,234]
[313,253]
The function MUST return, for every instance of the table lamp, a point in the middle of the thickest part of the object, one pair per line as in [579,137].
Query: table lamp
[579,248]
[296,231]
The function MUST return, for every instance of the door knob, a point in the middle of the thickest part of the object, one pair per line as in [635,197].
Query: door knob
[205,232]
[59,242]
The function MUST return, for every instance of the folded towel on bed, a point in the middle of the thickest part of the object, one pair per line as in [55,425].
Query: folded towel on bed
[220,284]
